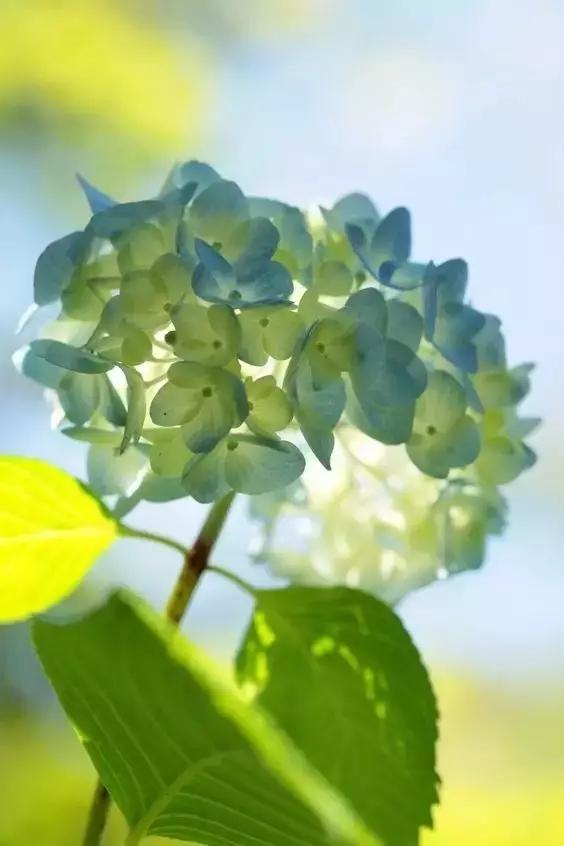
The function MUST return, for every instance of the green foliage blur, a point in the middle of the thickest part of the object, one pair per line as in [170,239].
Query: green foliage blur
[497,792]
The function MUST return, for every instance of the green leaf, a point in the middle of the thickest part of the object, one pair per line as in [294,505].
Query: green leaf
[51,532]
[181,752]
[342,678]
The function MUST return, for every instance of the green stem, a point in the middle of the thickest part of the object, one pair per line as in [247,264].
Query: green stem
[97,816]
[196,561]
[237,580]
[130,532]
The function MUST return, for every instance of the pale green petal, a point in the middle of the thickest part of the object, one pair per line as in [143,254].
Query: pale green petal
[333,278]
[136,346]
[442,404]
[502,460]
[204,475]
[140,247]
[282,332]
[270,409]
[169,455]
[216,212]
[256,465]
[206,335]
[173,405]
[212,422]
[111,473]
[172,277]
[79,396]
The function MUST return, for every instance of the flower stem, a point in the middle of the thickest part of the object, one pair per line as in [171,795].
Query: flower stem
[196,561]
[130,532]
[232,577]
[97,816]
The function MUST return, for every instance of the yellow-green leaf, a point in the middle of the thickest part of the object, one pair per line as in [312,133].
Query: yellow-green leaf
[51,532]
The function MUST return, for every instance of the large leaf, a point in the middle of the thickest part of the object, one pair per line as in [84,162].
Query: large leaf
[179,749]
[341,676]
[51,532]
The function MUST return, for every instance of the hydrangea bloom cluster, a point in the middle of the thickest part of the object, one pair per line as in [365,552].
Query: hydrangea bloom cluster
[207,341]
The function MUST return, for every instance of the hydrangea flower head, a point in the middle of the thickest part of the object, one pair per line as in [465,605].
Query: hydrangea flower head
[208,342]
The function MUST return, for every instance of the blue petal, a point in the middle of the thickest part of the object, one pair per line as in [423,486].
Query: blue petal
[199,172]
[265,207]
[404,324]
[388,249]
[352,208]
[392,239]
[68,357]
[455,329]
[403,277]
[247,285]
[56,264]
[445,283]
[318,400]
[387,373]
[357,239]
[390,424]
[116,220]
[266,283]
[97,200]
[214,278]
[490,345]
[262,239]
[37,368]
[256,465]
[369,306]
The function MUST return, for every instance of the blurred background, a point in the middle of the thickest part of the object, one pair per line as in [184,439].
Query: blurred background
[455,109]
